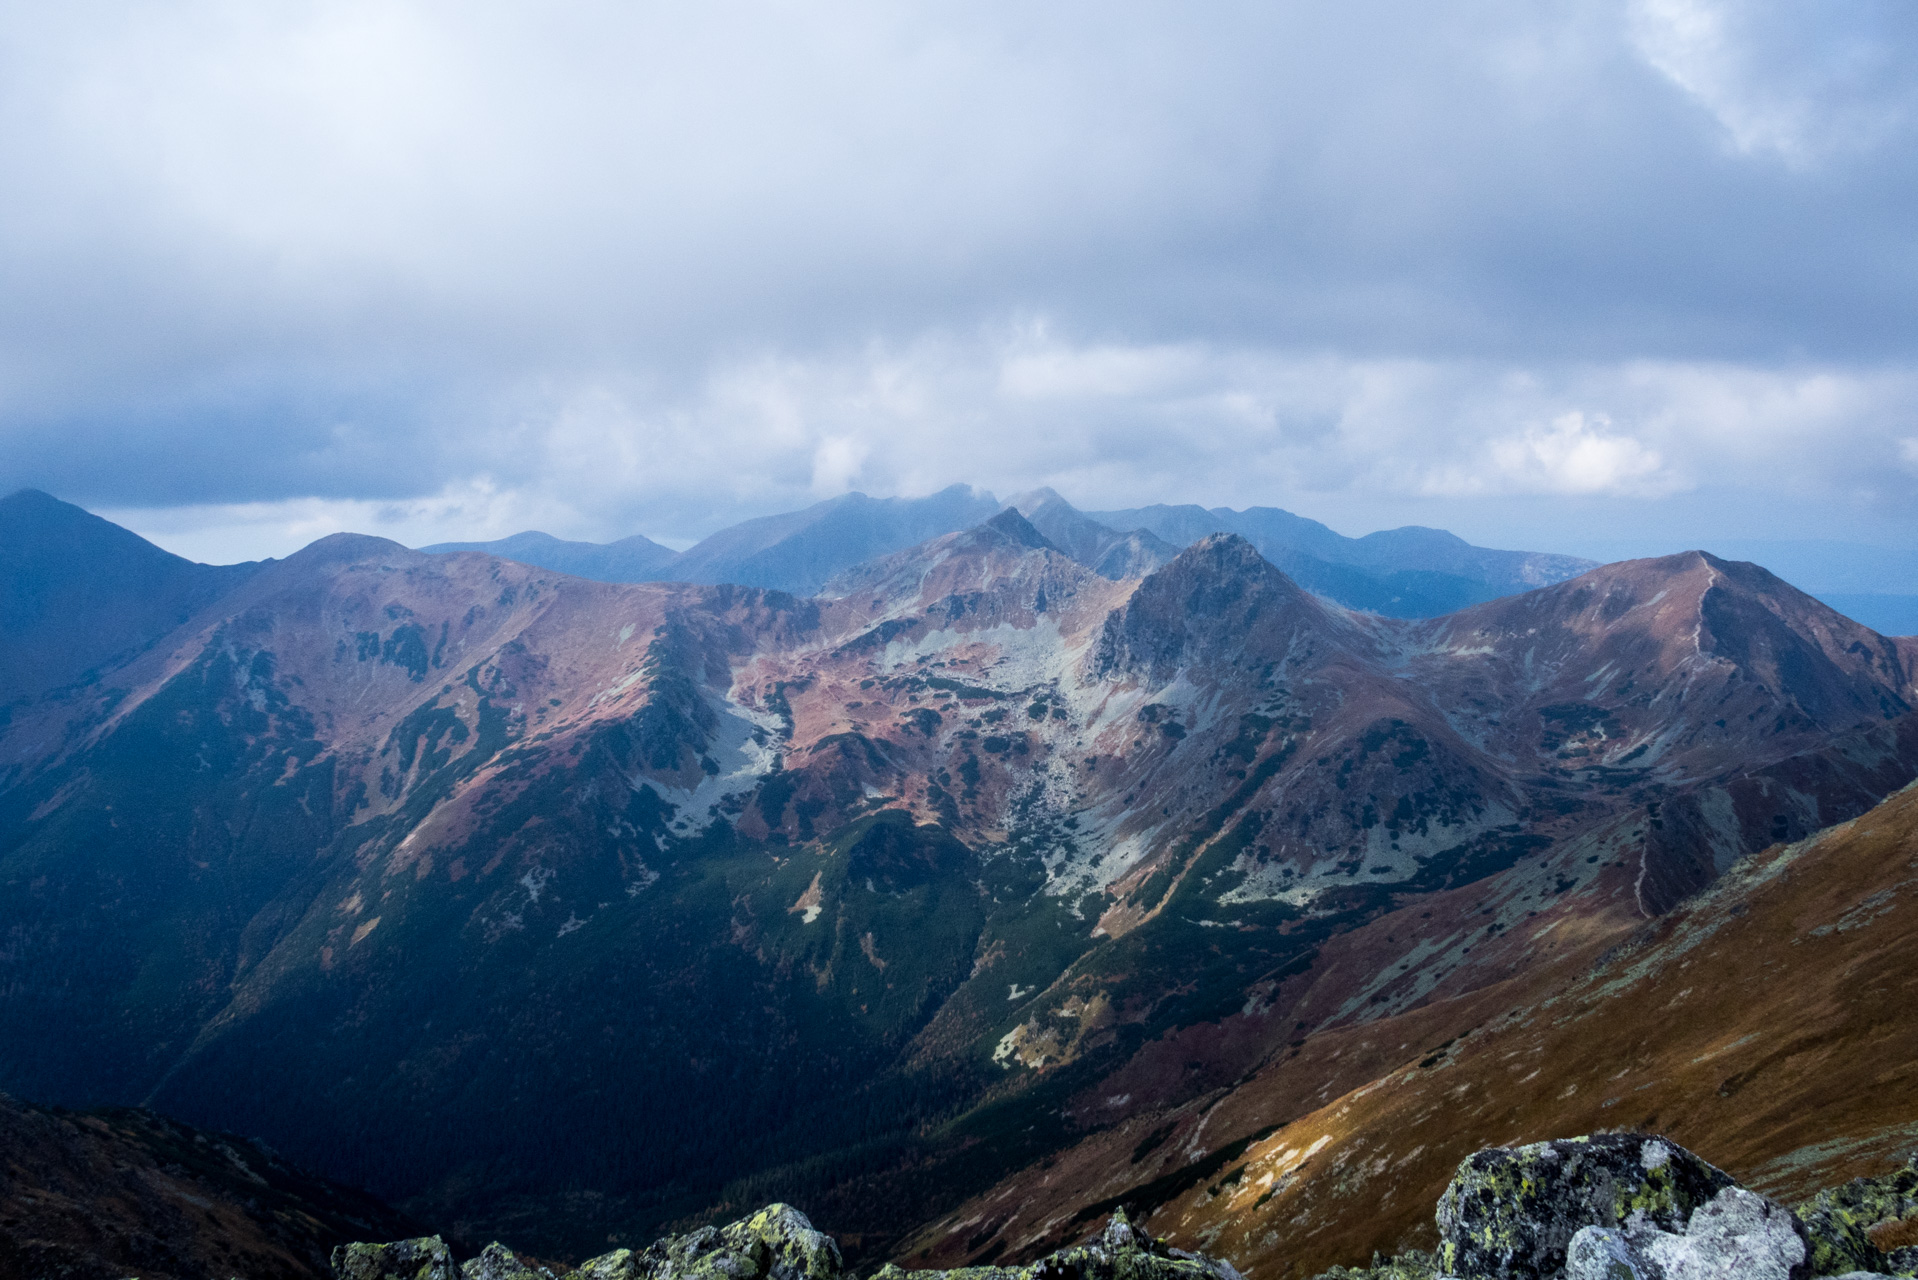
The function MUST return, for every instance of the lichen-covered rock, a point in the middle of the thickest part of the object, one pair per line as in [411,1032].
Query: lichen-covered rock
[1510,1212]
[426,1258]
[497,1262]
[620,1264]
[785,1244]
[1415,1264]
[1739,1235]
[1864,1225]
[777,1243]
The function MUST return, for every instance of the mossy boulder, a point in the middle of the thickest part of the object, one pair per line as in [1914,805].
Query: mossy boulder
[497,1262]
[777,1243]
[1510,1212]
[1414,1264]
[426,1258]
[1869,1224]
[617,1265]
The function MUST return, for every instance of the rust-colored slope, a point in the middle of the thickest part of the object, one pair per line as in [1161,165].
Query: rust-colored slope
[1769,1025]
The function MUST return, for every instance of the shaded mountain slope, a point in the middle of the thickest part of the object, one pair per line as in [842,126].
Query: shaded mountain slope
[1107,552]
[1768,1024]
[484,869]
[78,593]
[101,1195]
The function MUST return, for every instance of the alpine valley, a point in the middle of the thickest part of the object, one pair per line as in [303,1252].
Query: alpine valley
[1006,867]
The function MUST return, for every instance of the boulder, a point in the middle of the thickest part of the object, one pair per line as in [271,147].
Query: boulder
[497,1262]
[1510,1212]
[426,1258]
[1848,1225]
[785,1245]
[620,1264]
[777,1243]
[1739,1235]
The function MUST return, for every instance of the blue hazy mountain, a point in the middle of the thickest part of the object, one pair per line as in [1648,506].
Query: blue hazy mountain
[800,550]
[1409,573]
[634,559]
[795,551]
[78,592]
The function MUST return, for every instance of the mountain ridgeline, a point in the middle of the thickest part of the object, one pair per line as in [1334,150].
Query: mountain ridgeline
[561,910]
[1405,573]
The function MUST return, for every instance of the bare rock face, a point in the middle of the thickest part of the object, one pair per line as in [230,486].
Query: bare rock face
[1511,1212]
[1740,1235]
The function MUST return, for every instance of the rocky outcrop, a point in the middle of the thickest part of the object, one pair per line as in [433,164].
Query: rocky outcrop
[1632,1206]
[777,1243]
[1869,1224]
[424,1258]
[1511,1213]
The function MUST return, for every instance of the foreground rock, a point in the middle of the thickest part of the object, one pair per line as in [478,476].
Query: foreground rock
[1511,1213]
[777,1243]
[1617,1206]
[1631,1206]
[1869,1224]
[1740,1235]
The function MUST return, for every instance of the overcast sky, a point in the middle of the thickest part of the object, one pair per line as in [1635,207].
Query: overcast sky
[1579,275]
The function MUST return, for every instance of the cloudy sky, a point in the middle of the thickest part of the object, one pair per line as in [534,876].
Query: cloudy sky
[1597,276]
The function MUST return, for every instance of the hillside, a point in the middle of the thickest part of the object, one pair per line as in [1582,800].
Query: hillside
[78,594]
[485,869]
[99,1195]
[1768,1024]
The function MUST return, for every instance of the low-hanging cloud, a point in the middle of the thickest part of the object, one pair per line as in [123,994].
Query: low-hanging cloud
[450,270]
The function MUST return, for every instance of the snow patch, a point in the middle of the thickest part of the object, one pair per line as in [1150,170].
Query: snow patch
[535,881]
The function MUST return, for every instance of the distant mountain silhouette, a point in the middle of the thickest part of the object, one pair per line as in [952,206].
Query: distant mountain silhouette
[1402,573]
[800,550]
[1412,572]
[634,559]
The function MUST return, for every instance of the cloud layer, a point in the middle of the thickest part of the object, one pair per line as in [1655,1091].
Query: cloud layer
[450,270]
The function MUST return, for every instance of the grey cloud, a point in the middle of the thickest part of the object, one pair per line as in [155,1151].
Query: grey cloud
[379,251]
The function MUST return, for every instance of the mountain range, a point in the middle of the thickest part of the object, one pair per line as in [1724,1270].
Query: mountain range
[1410,572]
[559,909]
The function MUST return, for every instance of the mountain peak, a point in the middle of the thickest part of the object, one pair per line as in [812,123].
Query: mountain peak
[1216,597]
[1011,524]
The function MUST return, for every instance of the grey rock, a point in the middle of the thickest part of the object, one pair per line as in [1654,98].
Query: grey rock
[620,1264]
[497,1262]
[1510,1212]
[1838,1222]
[425,1258]
[1739,1235]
